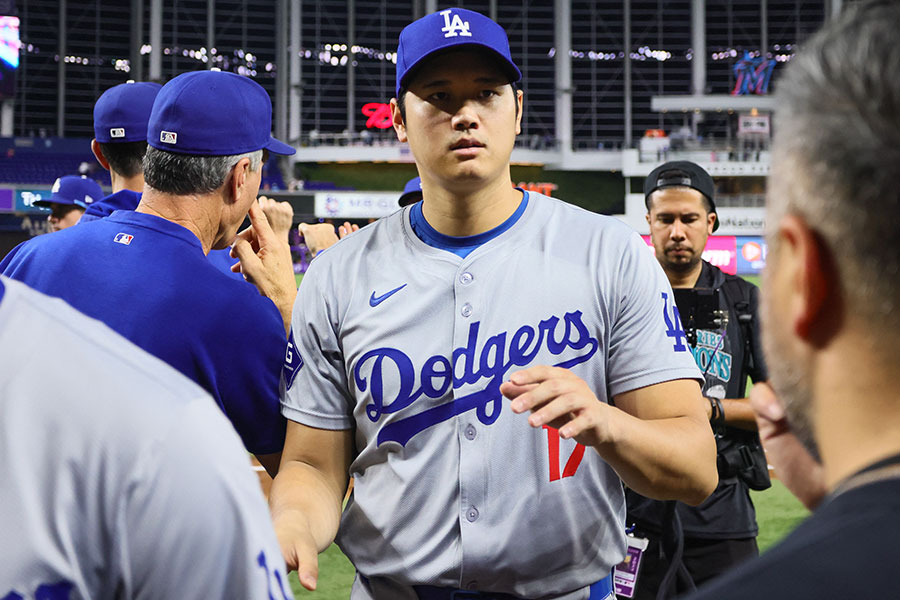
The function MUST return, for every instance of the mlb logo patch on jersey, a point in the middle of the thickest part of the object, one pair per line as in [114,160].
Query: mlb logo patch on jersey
[123,238]
[117,132]
[168,137]
[293,362]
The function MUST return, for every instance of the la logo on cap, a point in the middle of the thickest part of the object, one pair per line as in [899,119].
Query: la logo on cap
[117,132]
[168,137]
[456,27]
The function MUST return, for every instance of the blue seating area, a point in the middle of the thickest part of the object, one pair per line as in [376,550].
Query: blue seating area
[39,161]
[324,186]
[271,175]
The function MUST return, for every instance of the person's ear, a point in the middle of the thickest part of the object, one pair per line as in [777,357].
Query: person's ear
[397,121]
[811,277]
[520,98]
[711,222]
[238,178]
[98,153]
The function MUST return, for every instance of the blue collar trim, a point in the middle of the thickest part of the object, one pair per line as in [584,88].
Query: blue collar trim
[460,245]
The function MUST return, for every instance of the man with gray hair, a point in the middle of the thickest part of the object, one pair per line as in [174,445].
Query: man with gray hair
[831,324]
[145,272]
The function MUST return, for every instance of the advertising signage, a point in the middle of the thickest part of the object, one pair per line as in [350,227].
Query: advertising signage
[737,255]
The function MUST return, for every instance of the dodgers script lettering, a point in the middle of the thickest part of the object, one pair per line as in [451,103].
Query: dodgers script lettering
[467,365]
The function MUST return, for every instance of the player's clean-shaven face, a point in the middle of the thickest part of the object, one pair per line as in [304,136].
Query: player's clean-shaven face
[63,216]
[461,120]
[679,227]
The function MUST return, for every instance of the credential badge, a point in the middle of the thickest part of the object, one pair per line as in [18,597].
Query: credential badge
[456,26]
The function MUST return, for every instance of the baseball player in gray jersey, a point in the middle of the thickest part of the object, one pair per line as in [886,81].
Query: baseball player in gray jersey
[121,477]
[480,349]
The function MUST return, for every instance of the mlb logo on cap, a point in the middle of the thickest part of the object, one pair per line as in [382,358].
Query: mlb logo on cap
[123,238]
[122,111]
[213,113]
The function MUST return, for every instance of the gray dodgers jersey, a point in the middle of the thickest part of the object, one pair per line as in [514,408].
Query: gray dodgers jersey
[120,477]
[451,488]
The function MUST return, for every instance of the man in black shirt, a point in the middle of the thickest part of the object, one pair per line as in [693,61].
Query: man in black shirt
[832,317]
[689,545]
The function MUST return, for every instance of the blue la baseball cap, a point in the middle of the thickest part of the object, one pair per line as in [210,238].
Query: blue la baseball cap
[121,112]
[448,29]
[73,189]
[213,113]
[412,192]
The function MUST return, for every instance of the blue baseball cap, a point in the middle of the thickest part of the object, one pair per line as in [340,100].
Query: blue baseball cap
[121,112]
[412,192]
[449,29]
[213,113]
[73,189]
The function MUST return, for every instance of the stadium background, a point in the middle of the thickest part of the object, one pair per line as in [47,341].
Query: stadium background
[612,88]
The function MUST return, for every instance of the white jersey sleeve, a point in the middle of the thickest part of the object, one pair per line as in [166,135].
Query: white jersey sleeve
[647,344]
[194,521]
[121,477]
[314,379]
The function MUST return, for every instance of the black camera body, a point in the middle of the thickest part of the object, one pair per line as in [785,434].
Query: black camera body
[700,308]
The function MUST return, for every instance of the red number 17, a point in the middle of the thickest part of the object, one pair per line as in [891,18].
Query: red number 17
[553,447]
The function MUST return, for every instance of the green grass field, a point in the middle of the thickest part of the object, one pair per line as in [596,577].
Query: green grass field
[777,512]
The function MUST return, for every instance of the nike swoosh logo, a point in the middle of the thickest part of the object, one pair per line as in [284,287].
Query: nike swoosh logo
[376,300]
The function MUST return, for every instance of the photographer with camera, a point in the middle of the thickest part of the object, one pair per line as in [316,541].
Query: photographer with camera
[684,546]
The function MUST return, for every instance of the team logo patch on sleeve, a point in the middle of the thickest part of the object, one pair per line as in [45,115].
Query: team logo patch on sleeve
[123,238]
[293,362]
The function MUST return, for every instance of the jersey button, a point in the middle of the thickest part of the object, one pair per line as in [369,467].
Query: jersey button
[472,514]
[466,278]
[466,310]
[470,433]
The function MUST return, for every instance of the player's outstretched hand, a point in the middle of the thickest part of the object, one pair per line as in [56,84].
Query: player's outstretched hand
[279,214]
[346,229]
[299,550]
[318,236]
[266,263]
[801,473]
[559,398]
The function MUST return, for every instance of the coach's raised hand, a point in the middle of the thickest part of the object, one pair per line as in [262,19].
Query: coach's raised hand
[266,263]
[279,214]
